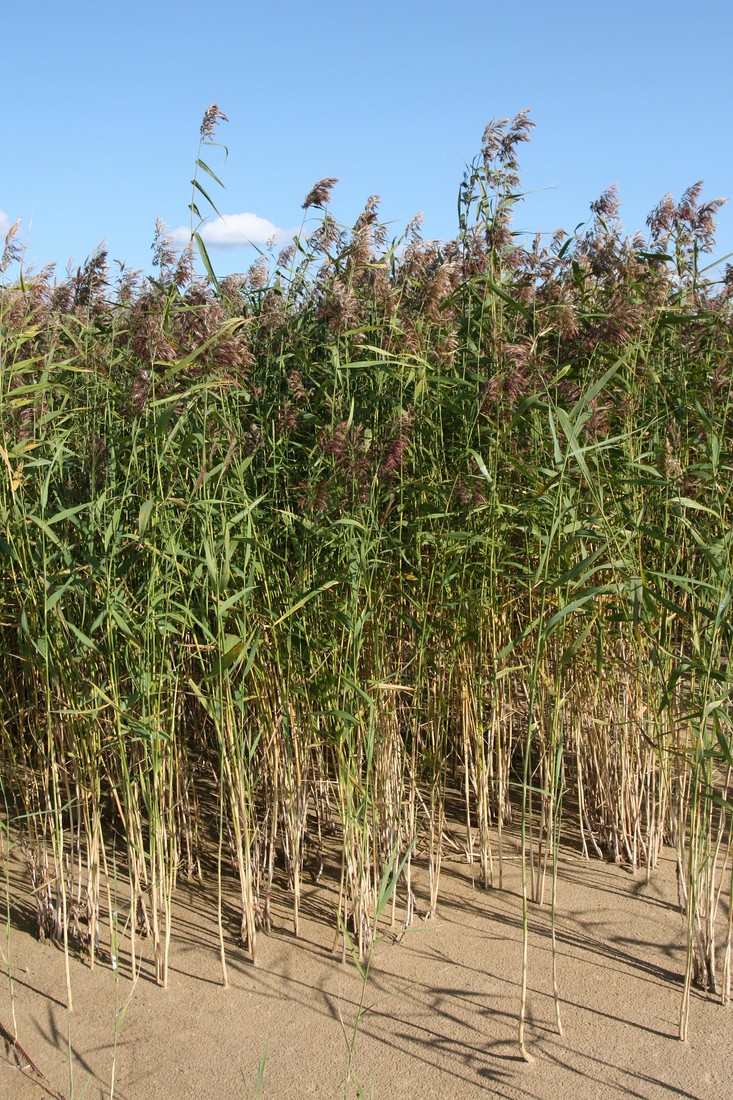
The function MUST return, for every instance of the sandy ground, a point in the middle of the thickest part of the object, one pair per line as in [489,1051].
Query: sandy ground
[440,1007]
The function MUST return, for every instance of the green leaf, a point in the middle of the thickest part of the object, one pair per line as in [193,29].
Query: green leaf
[574,606]
[144,517]
[205,259]
[67,513]
[207,196]
[203,165]
[304,600]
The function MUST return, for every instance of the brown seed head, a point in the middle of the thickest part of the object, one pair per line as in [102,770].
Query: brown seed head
[320,193]
[295,385]
[163,248]
[184,270]
[286,256]
[257,273]
[212,115]
[660,219]
[398,445]
[607,205]
[412,232]
[12,250]
[491,141]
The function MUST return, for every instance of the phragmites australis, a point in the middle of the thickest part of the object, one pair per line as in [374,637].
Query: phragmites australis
[12,250]
[498,147]
[398,445]
[320,194]
[352,536]
[212,115]
[163,248]
[690,221]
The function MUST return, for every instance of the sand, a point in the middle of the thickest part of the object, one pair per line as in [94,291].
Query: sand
[440,1005]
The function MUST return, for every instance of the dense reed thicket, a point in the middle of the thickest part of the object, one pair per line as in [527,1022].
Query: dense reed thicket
[379,532]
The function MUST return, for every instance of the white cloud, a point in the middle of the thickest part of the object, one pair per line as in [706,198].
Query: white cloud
[236,231]
[4,224]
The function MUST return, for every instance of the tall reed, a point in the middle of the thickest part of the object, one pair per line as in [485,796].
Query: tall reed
[378,536]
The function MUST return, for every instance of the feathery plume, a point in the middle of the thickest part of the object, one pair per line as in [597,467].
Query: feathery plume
[320,193]
[212,115]
[12,250]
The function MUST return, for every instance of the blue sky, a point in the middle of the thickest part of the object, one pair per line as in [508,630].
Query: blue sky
[102,105]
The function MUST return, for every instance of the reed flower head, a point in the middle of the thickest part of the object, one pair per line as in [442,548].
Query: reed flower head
[12,250]
[295,385]
[212,116]
[139,392]
[90,280]
[607,205]
[184,270]
[327,236]
[320,194]
[728,281]
[165,255]
[398,445]
[258,273]
[286,256]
